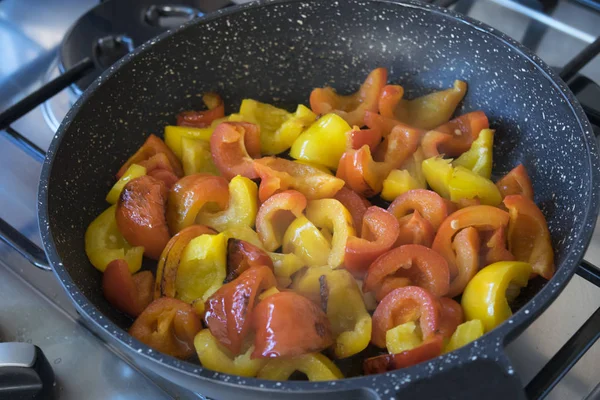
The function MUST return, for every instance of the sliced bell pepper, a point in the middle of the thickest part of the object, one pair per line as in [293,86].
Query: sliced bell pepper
[315,366]
[428,203]
[278,174]
[494,247]
[516,182]
[438,173]
[414,229]
[128,293]
[174,136]
[285,266]
[466,184]
[340,297]
[276,214]
[451,316]
[134,171]
[197,158]
[485,297]
[244,233]
[430,348]
[201,119]
[374,120]
[304,239]
[140,215]
[466,245]
[456,136]
[214,356]
[269,292]
[331,215]
[465,333]
[190,194]
[234,145]
[105,243]
[400,181]
[528,236]
[402,337]
[229,310]
[169,326]
[357,138]
[241,256]
[379,233]
[152,146]
[287,325]
[355,204]
[479,157]
[389,99]
[420,265]
[352,107]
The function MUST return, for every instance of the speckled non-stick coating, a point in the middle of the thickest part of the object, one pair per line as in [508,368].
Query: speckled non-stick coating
[277,52]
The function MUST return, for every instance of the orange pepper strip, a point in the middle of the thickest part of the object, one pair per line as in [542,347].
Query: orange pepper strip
[386,125]
[451,316]
[128,293]
[516,182]
[427,202]
[353,107]
[276,214]
[202,119]
[429,349]
[355,204]
[414,229]
[357,138]
[456,136]
[494,248]
[379,232]
[390,97]
[242,255]
[152,146]
[466,245]
[234,145]
[528,235]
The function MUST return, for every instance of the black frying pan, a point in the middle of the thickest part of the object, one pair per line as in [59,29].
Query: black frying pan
[277,52]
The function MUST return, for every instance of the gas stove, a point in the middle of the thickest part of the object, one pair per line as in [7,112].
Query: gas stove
[34,307]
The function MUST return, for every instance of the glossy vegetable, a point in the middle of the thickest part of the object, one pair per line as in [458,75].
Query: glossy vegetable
[315,366]
[456,136]
[465,333]
[152,146]
[134,171]
[197,157]
[400,181]
[201,119]
[479,157]
[242,255]
[307,242]
[403,337]
[174,136]
[276,214]
[355,204]
[234,145]
[430,348]
[128,293]
[516,182]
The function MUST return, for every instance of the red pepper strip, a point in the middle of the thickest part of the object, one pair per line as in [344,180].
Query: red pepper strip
[278,174]
[276,214]
[423,266]
[190,194]
[516,182]
[168,325]
[493,247]
[288,324]
[385,125]
[456,136]
[234,145]
[464,203]
[414,229]
[152,146]
[355,204]
[168,177]
[353,107]
[427,202]
[451,317]
[358,138]
[466,246]
[379,232]
[429,349]
[480,217]
[390,96]
[229,310]
[140,215]
[391,283]
[528,235]
[400,144]
[202,119]
[171,256]
[158,166]
[410,303]
[127,293]
[242,256]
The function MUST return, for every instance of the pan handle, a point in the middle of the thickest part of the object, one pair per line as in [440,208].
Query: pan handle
[23,246]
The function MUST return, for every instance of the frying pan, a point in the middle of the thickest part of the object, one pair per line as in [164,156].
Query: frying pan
[277,51]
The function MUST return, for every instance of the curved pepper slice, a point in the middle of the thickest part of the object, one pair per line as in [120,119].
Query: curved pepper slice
[234,145]
[403,337]
[285,266]
[140,215]
[190,194]
[438,173]
[244,233]
[323,142]
[485,297]
[197,158]
[456,136]
[278,174]
[315,366]
[400,181]
[288,324]
[465,333]
[152,146]
[480,217]
[128,293]
[451,316]
[105,243]
[241,210]
[134,171]
[374,120]
[466,245]
[214,356]
[429,349]
[306,241]
[355,204]
[340,297]
[516,182]
[402,305]
[479,157]
[170,258]
[229,310]
[201,119]
[331,215]
[379,233]
[174,136]
[169,326]
[494,247]
[389,99]
[242,256]
[466,184]
[276,214]
[420,265]
[414,229]
[357,138]
[428,203]
[528,235]
[352,107]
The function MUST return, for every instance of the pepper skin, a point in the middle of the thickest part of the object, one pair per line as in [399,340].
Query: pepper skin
[451,316]
[315,366]
[355,204]
[134,171]
[276,214]
[400,181]
[479,157]
[456,136]
[202,119]
[465,333]
[303,239]
[516,182]
[128,293]
[427,202]
[429,349]
[234,145]
[174,136]
[152,146]
[466,245]
[197,158]
[242,255]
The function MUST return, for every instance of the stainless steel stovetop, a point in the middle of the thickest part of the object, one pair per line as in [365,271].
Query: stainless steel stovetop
[35,309]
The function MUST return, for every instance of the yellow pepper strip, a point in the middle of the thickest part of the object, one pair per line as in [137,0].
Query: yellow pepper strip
[196,157]
[485,297]
[438,172]
[217,358]
[399,182]
[269,292]
[284,266]
[464,334]
[202,268]
[333,216]
[323,142]
[315,165]
[338,294]
[368,297]
[315,366]
[304,239]
[402,337]
[104,243]
[244,233]
[466,184]
[479,157]
[175,134]
[241,210]
[134,171]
